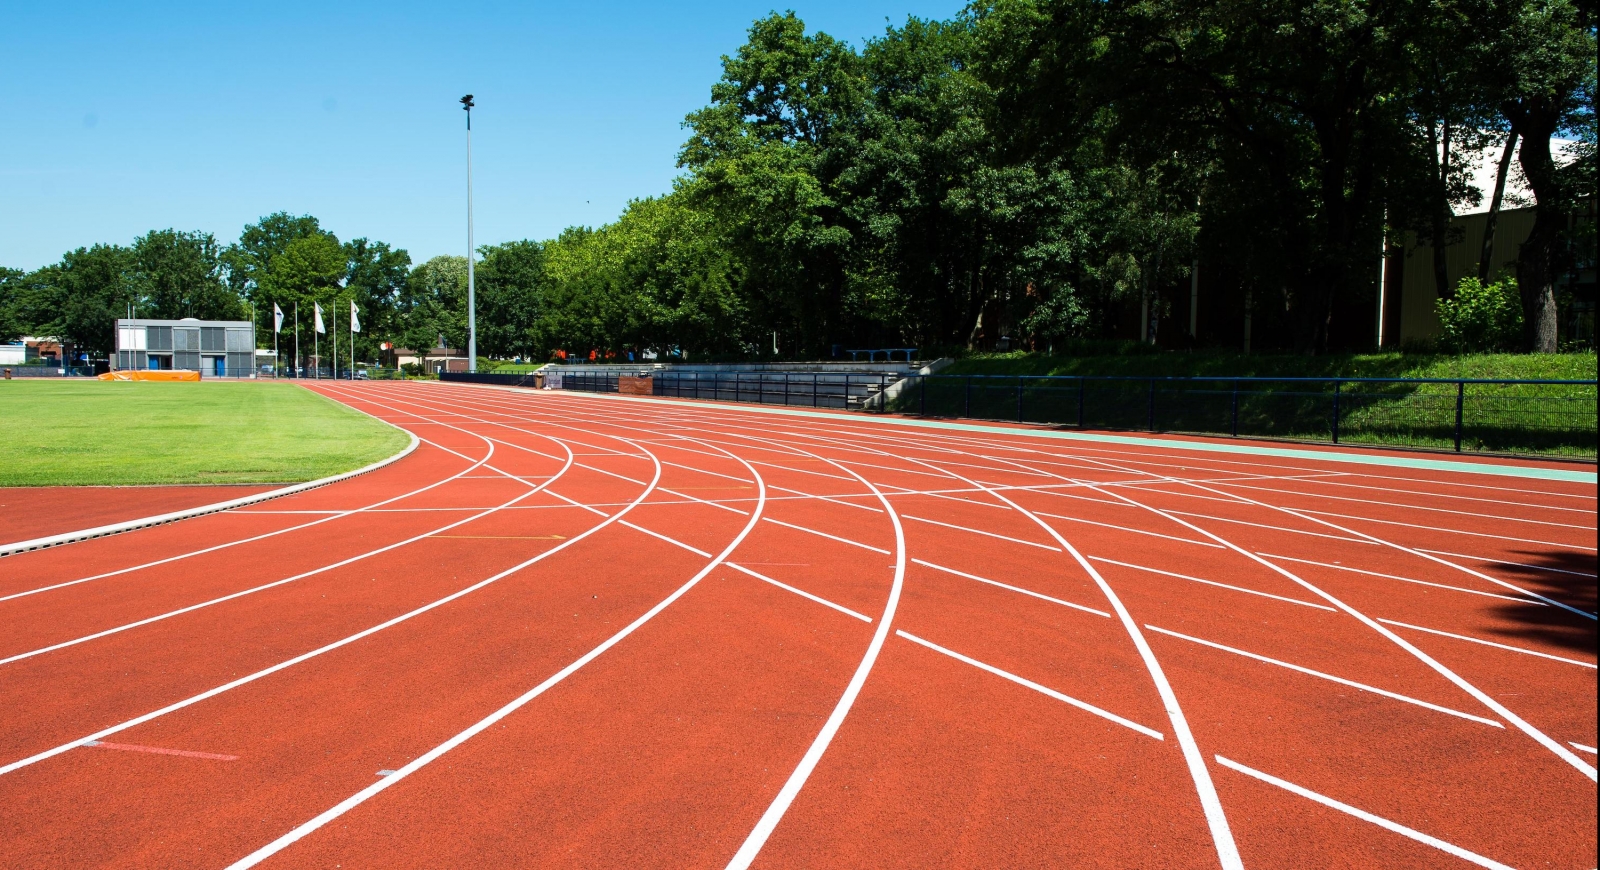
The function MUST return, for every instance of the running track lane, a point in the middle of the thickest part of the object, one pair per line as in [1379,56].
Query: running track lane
[1001,723]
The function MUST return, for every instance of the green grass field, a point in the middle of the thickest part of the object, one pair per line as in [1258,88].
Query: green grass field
[71,432]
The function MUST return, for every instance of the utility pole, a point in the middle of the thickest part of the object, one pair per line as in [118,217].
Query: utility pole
[472,293]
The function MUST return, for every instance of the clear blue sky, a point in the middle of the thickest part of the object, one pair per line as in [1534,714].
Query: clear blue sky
[119,118]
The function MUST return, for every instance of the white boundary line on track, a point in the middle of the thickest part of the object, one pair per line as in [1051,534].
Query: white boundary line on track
[1365,816]
[118,629]
[1216,819]
[1377,459]
[1213,583]
[331,515]
[187,513]
[481,725]
[1018,589]
[751,847]
[1479,640]
[1334,567]
[1330,677]
[250,678]
[1043,690]
[1438,667]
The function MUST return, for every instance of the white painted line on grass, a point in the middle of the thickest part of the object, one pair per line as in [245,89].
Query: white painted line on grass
[1380,821]
[1043,690]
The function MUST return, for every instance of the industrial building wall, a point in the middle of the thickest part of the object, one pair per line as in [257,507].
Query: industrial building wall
[1419,322]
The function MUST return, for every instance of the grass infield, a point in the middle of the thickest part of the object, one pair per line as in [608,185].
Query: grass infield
[105,433]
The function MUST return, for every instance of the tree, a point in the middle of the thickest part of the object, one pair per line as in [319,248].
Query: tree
[1547,72]
[179,274]
[509,282]
[435,305]
[12,324]
[375,279]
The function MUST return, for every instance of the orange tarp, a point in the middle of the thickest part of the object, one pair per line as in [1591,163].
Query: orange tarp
[151,376]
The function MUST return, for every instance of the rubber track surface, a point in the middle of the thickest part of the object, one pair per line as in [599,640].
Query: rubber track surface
[590,631]
[40,511]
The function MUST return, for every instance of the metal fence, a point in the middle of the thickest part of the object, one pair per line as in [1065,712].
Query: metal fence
[1466,415]
[1520,416]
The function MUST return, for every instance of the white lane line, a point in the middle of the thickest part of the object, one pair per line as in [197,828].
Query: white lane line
[1129,529]
[801,592]
[828,536]
[1493,561]
[1523,650]
[481,725]
[345,641]
[1205,789]
[673,541]
[835,499]
[128,626]
[1043,690]
[1215,583]
[1330,677]
[1418,507]
[1580,747]
[1028,592]
[1365,816]
[751,847]
[333,516]
[1446,529]
[1343,538]
[1438,667]
[1403,579]
[984,533]
[781,585]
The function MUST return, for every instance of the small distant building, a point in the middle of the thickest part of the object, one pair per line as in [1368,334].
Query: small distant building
[214,348]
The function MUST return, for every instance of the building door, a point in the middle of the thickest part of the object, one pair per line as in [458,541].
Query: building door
[219,366]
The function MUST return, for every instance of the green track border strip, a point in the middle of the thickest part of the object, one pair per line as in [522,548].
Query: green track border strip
[1451,465]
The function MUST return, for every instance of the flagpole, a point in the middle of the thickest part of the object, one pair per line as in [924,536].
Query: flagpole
[296,338]
[335,333]
[275,360]
[316,345]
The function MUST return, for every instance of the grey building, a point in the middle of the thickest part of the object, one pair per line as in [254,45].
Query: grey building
[214,348]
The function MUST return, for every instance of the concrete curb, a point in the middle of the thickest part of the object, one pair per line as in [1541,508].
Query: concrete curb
[174,516]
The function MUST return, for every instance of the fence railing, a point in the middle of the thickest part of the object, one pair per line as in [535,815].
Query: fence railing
[1466,415]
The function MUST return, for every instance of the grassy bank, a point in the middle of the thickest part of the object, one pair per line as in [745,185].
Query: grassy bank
[70,432]
[1144,363]
[1526,419]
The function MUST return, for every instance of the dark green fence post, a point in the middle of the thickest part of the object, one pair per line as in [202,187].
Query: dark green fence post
[1336,385]
[922,384]
[786,389]
[1019,398]
[813,389]
[1461,400]
[1152,404]
[1234,428]
[1081,382]
[966,399]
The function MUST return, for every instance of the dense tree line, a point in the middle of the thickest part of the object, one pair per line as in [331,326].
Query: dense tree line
[1030,170]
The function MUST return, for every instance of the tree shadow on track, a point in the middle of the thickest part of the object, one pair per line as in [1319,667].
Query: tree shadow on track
[1550,624]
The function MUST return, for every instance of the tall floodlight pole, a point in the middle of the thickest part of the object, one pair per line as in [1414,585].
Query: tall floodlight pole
[472,293]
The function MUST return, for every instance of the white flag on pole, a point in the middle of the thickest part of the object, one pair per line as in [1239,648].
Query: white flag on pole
[317,307]
[277,318]
[355,319]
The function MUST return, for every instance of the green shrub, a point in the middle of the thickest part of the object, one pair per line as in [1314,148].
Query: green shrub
[1481,318]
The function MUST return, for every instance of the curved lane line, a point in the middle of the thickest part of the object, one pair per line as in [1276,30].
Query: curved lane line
[264,672]
[478,727]
[187,513]
[276,583]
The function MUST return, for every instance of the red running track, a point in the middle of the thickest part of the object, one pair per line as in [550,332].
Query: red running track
[41,511]
[578,630]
